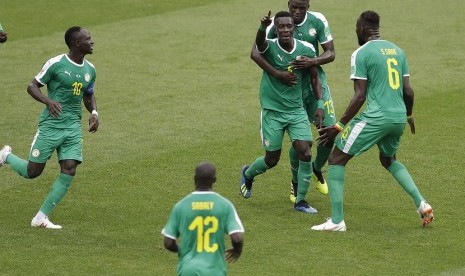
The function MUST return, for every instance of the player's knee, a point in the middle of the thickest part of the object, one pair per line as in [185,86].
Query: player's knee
[272,161]
[386,162]
[33,172]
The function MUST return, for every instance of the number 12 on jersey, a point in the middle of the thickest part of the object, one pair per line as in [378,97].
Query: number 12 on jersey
[205,226]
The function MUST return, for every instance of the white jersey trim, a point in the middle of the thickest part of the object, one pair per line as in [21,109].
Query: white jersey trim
[353,135]
[47,66]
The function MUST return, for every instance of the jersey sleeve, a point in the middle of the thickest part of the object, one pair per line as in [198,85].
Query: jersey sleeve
[233,224]
[90,89]
[270,30]
[405,67]
[358,68]
[323,31]
[309,49]
[171,228]
[47,72]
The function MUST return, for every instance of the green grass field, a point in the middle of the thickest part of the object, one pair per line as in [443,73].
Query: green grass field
[176,86]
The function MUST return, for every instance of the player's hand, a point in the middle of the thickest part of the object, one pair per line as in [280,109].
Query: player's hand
[54,108]
[319,117]
[231,256]
[303,62]
[411,122]
[327,135]
[287,77]
[93,123]
[266,20]
[3,37]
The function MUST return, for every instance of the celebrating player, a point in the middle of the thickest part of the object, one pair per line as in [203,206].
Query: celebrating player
[70,80]
[380,72]
[282,107]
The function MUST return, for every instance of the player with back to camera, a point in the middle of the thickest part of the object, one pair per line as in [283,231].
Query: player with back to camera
[200,220]
[381,76]
[313,28]
[70,80]
[282,106]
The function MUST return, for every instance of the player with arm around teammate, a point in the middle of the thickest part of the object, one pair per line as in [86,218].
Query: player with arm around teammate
[313,28]
[200,221]
[282,107]
[381,76]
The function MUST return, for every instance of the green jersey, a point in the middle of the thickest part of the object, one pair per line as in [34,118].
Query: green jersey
[315,30]
[66,83]
[200,222]
[383,65]
[274,94]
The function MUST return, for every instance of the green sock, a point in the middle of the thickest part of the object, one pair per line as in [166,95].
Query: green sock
[258,167]
[304,175]
[400,173]
[17,164]
[57,192]
[336,176]
[294,162]
[322,154]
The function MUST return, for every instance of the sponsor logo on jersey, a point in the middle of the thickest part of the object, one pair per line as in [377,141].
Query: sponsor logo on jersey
[280,57]
[312,32]
[69,73]
[87,77]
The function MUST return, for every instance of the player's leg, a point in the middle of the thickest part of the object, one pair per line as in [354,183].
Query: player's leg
[272,131]
[323,151]
[301,137]
[387,156]
[69,156]
[356,138]
[294,164]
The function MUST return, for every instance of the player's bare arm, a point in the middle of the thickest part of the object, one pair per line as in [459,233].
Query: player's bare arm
[170,244]
[34,90]
[318,92]
[408,100]
[360,91]
[260,39]
[91,106]
[237,241]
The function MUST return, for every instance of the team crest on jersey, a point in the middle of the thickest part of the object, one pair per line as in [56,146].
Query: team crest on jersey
[35,153]
[87,77]
[312,32]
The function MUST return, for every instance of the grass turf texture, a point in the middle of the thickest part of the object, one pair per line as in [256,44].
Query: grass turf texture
[176,86]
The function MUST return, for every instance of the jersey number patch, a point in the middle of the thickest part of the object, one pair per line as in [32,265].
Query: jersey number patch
[205,227]
[77,86]
[393,74]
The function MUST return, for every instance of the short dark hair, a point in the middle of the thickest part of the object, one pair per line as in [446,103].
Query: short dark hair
[281,14]
[70,34]
[371,19]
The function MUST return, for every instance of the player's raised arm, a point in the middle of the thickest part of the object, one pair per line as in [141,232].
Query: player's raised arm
[260,39]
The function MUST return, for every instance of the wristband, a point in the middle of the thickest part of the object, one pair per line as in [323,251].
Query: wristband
[410,116]
[261,28]
[320,104]
[94,112]
[339,126]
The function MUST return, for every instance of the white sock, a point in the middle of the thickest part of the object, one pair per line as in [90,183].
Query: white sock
[40,215]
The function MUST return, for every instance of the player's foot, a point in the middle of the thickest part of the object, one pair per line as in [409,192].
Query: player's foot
[330,226]
[3,154]
[245,189]
[292,197]
[426,213]
[302,206]
[44,223]
[320,182]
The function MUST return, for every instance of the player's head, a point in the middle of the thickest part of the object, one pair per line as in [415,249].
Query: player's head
[298,9]
[284,26]
[367,26]
[77,38]
[205,176]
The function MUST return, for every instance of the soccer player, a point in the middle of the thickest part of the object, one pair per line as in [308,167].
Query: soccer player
[200,221]
[70,80]
[3,35]
[282,106]
[380,72]
[311,27]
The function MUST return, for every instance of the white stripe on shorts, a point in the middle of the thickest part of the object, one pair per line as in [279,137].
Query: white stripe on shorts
[353,135]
